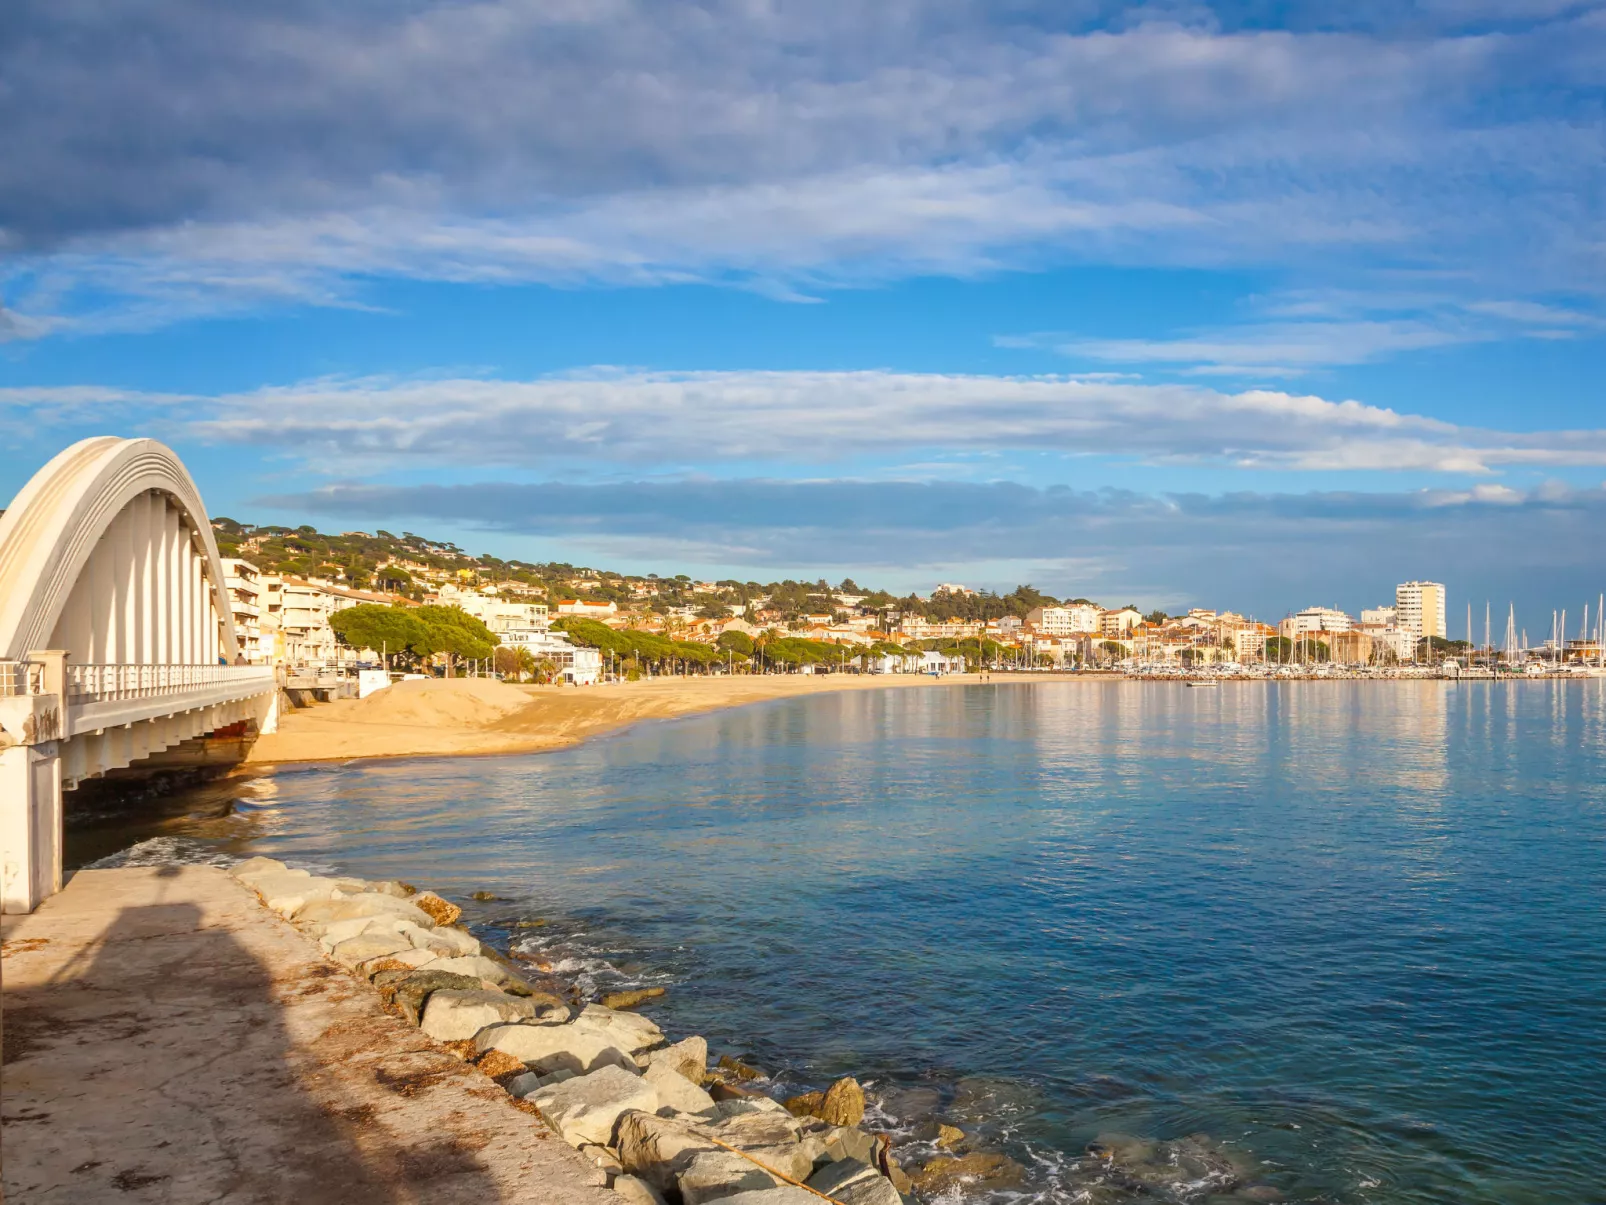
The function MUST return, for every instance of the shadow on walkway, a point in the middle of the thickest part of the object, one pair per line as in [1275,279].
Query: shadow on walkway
[157,1059]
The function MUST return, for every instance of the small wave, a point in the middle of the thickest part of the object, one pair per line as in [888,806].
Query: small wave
[165,851]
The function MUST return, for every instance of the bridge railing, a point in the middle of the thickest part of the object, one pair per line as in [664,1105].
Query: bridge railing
[112,683]
[21,678]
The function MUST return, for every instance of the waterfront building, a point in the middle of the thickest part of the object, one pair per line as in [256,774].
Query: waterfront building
[1064,621]
[1248,641]
[1420,608]
[244,583]
[1314,620]
[1353,647]
[498,614]
[578,665]
[1116,624]
[1379,617]
[295,620]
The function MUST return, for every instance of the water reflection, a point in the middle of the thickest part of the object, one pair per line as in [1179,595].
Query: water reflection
[1354,930]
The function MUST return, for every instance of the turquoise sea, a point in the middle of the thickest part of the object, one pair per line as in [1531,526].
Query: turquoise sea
[1346,939]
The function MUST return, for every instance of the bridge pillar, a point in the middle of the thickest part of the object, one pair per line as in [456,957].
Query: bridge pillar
[32,727]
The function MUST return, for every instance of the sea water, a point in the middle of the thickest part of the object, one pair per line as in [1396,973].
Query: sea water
[1350,936]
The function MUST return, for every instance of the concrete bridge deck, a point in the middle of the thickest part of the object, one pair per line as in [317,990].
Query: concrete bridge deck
[168,1039]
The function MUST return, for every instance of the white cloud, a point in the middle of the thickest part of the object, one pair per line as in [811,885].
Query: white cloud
[607,421]
[259,158]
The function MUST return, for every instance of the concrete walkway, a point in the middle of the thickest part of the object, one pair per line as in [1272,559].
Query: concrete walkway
[168,1039]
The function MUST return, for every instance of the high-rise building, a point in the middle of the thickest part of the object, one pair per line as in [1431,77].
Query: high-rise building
[1419,608]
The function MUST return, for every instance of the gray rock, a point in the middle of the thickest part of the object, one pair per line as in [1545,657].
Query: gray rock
[689,1057]
[320,913]
[714,1174]
[453,943]
[845,1142]
[477,965]
[415,960]
[252,867]
[414,991]
[853,1183]
[453,1015]
[521,1086]
[784,1195]
[757,1127]
[658,1148]
[547,1048]
[337,932]
[631,1032]
[368,945]
[675,1090]
[586,1108]
[602,1157]
[637,1191]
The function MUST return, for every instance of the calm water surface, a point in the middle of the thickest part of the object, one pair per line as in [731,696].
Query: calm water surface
[1352,932]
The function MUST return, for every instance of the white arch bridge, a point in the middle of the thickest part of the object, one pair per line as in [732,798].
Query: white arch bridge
[116,640]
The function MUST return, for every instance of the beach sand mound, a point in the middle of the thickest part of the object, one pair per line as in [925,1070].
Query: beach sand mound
[440,703]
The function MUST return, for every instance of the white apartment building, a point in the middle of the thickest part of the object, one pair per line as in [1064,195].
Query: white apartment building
[591,610]
[498,614]
[1065,621]
[580,666]
[1420,608]
[243,581]
[1316,619]
[295,620]
[1378,617]
[1116,624]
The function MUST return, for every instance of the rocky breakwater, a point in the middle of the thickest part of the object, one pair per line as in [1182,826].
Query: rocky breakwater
[662,1125]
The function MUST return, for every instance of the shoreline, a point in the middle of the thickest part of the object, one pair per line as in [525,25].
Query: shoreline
[478,717]
[469,717]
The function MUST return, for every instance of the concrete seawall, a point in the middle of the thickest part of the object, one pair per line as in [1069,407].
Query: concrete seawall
[169,1039]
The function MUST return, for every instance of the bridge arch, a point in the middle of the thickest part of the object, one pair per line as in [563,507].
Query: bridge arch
[108,555]
[117,642]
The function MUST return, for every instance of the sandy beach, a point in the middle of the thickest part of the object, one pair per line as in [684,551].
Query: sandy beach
[466,716]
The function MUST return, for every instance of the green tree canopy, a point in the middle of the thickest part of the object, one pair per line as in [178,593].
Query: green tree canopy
[381,628]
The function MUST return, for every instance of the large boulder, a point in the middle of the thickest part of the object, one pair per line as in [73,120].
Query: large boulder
[688,1057]
[321,913]
[366,946]
[784,1195]
[451,943]
[636,1191]
[587,1107]
[850,1142]
[658,1148]
[452,1015]
[477,965]
[440,912]
[979,1170]
[853,1183]
[413,959]
[549,1048]
[338,931]
[714,1174]
[631,1032]
[288,891]
[253,867]
[413,992]
[842,1104]
[756,1126]
[675,1090]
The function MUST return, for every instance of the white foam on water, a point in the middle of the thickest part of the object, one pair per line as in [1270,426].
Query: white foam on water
[164,851]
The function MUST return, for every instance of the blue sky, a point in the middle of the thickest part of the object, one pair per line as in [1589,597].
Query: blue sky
[1252,305]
